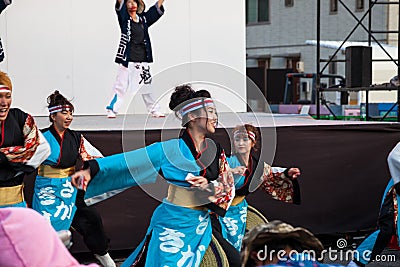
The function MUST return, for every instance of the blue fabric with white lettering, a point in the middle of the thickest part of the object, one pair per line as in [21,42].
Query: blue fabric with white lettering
[54,198]
[179,235]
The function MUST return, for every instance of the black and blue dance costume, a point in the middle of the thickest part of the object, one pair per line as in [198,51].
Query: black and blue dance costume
[180,229]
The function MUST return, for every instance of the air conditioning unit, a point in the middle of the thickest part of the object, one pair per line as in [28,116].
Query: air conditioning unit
[300,66]
[305,87]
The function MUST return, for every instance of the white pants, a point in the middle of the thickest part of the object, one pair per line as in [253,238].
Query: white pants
[130,80]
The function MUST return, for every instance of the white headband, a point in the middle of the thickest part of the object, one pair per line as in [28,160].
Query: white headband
[250,134]
[196,105]
[4,88]
[59,108]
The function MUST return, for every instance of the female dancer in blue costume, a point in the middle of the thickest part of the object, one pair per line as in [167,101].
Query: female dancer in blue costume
[280,183]
[54,196]
[22,147]
[388,220]
[197,171]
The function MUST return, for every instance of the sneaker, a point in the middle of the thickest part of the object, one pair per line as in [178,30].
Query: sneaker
[105,260]
[111,114]
[65,236]
[157,114]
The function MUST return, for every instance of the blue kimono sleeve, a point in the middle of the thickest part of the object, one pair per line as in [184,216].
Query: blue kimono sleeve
[387,189]
[125,170]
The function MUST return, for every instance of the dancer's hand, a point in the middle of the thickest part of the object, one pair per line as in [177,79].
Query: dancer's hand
[294,173]
[238,170]
[197,181]
[80,179]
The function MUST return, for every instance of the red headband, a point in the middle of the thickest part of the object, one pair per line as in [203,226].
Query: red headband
[4,88]
[195,105]
[250,134]
[60,108]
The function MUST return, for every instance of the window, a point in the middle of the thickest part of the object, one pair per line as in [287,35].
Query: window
[263,10]
[264,63]
[289,3]
[359,5]
[257,11]
[291,62]
[333,6]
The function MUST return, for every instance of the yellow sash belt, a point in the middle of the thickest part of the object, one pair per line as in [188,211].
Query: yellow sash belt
[181,196]
[11,195]
[51,172]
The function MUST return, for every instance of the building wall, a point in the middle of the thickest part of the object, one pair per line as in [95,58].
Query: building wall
[70,45]
[290,27]
[393,22]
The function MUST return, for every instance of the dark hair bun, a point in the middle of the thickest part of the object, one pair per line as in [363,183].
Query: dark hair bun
[202,93]
[181,94]
[56,99]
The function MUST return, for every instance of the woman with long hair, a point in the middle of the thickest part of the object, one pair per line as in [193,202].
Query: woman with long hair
[280,183]
[199,182]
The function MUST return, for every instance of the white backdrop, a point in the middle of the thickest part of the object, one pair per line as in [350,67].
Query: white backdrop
[70,45]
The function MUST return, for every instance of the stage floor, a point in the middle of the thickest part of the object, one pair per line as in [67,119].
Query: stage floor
[227,120]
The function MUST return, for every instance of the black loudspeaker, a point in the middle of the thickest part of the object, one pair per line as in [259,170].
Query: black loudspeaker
[358,66]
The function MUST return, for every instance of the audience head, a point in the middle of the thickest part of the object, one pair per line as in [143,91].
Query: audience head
[28,239]
[266,243]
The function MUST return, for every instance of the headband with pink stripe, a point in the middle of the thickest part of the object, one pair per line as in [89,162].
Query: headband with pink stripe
[59,108]
[196,105]
[4,88]
[250,134]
